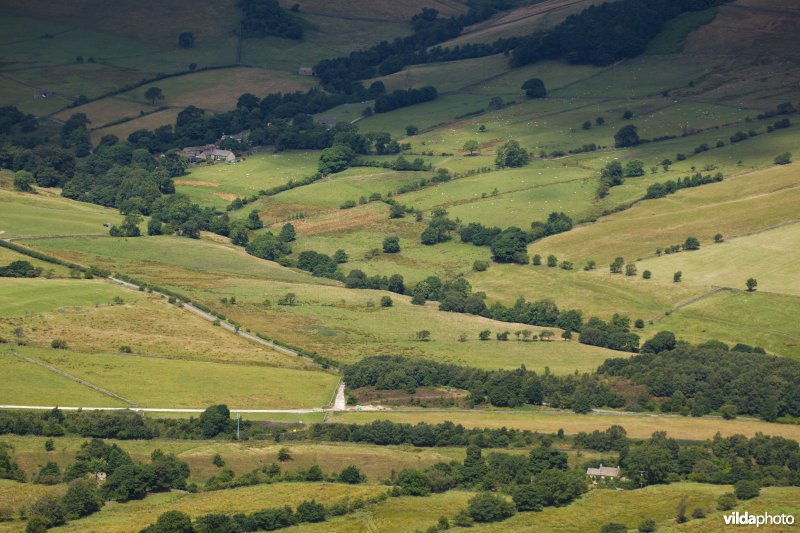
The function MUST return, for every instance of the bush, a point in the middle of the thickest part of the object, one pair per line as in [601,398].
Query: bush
[386,301]
[647,526]
[59,344]
[480,265]
[490,507]
[698,513]
[746,489]
[726,502]
[391,245]
[614,527]
[783,159]
[50,509]
[352,475]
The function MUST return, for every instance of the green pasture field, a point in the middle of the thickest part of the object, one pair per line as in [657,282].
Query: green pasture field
[640,426]
[759,319]
[770,256]
[167,260]
[25,214]
[36,295]
[135,515]
[34,385]
[352,184]
[217,184]
[159,382]
[449,76]
[739,204]
[145,325]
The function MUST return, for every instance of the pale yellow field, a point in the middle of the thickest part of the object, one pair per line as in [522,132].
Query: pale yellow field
[637,426]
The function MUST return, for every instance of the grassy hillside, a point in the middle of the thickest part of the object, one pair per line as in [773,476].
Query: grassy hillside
[160,382]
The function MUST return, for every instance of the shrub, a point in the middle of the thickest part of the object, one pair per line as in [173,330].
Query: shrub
[614,527]
[391,245]
[352,475]
[783,159]
[490,507]
[480,265]
[698,513]
[746,489]
[726,502]
[386,301]
[646,274]
[59,344]
[647,526]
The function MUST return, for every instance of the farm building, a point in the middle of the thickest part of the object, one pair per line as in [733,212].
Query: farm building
[328,122]
[603,472]
[305,71]
[208,152]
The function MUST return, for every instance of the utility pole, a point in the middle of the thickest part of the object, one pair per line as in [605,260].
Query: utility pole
[238,418]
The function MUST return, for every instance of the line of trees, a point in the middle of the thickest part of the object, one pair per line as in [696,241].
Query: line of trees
[659,190]
[404,98]
[602,34]
[501,388]
[340,74]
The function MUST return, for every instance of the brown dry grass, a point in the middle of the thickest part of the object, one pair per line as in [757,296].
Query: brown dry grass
[750,29]
[151,326]
[546,421]
[334,222]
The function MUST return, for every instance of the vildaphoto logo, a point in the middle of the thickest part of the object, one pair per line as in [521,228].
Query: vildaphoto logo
[747,519]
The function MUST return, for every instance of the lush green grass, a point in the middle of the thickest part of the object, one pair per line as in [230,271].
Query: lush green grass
[25,214]
[761,319]
[218,184]
[159,382]
[20,295]
[34,385]
[550,421]
[163,260]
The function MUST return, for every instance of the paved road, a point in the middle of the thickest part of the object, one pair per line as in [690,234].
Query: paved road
[159,409]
